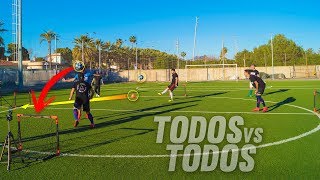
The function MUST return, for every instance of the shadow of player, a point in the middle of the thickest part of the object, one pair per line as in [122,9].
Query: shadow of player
[279,104]
[278,91]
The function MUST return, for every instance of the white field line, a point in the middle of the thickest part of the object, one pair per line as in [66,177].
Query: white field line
[204,112]
[216,152]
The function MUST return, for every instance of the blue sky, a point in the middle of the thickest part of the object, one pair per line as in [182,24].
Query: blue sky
[158,24]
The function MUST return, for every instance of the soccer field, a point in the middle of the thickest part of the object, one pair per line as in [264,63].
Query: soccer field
[123,144]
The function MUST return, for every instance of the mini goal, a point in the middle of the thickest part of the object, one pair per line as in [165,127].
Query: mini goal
[38,136]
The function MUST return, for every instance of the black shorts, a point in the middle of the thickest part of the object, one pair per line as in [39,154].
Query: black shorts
[85,103]
[172,87]
[261,90]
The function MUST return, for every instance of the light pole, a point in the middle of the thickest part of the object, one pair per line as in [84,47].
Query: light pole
[99,58]
[178,55]
[19,37]
[195,39]
[136,55]
[272,57]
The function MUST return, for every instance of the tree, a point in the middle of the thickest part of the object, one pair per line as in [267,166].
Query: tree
[223,53]
[66,54]
[1,31]
[133,40]
[286,52]
[48,36]
[11,49]
[119,43]
[183,55]
[2,51]
[88,49]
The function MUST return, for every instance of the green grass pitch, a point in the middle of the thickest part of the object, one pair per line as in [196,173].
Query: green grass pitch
[128,128]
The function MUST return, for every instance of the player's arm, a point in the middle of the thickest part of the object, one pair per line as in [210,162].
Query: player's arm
[93,81]
[176,83]
[71,93]
[102,81]
[68,80]
[257,85]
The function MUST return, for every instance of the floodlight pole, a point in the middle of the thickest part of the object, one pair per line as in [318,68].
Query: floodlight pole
[19,37]
[99,58]
[195,39]
[272,57]
[178,56]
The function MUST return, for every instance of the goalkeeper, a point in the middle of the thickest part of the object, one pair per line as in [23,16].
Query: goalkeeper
[260,86]
[84,93]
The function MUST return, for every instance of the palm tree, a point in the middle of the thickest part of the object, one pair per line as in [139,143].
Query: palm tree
[48,36]
[84,48]
[133,40]
[2,30]
[119,43]
[183,54]
[99,45]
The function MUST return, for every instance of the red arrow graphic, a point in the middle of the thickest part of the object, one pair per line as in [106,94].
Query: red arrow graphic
[40,104]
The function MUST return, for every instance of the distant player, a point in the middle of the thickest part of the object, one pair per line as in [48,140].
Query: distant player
[260,86]
[174,84]
[96,83]
[255,73]
[84,93]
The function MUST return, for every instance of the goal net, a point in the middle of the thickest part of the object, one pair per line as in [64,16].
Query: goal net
[211,72]
[38,136]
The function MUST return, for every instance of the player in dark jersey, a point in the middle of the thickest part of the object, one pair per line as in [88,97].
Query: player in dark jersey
[255,73]
[260,86]
[84,93]
[96,83]
[174,84]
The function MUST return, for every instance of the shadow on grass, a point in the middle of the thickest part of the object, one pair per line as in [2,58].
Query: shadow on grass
[279,104]
[133,115]
[278,91]
[208,95]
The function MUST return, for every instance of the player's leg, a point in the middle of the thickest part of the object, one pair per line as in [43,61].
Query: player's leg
[98,90]
[76,111]
[171,89]
[163,92]
[260,92]
[86,108]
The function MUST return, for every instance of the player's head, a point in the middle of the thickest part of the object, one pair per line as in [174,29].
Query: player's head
[173,71]
[247,73]
[81,77]
[253,66]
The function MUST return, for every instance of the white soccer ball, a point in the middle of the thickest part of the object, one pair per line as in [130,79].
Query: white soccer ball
[78,66]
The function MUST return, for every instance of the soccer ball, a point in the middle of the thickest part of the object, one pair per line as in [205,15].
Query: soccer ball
[133,96]
[78,66]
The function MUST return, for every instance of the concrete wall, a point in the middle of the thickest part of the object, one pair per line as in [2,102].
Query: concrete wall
[228,73]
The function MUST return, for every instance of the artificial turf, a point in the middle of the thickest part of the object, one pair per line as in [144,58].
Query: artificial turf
[128,128]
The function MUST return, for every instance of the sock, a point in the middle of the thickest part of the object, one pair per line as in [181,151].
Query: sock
[262,101]
[165,91]
[258,102]
[76,114]
[90,117]
[171,95]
